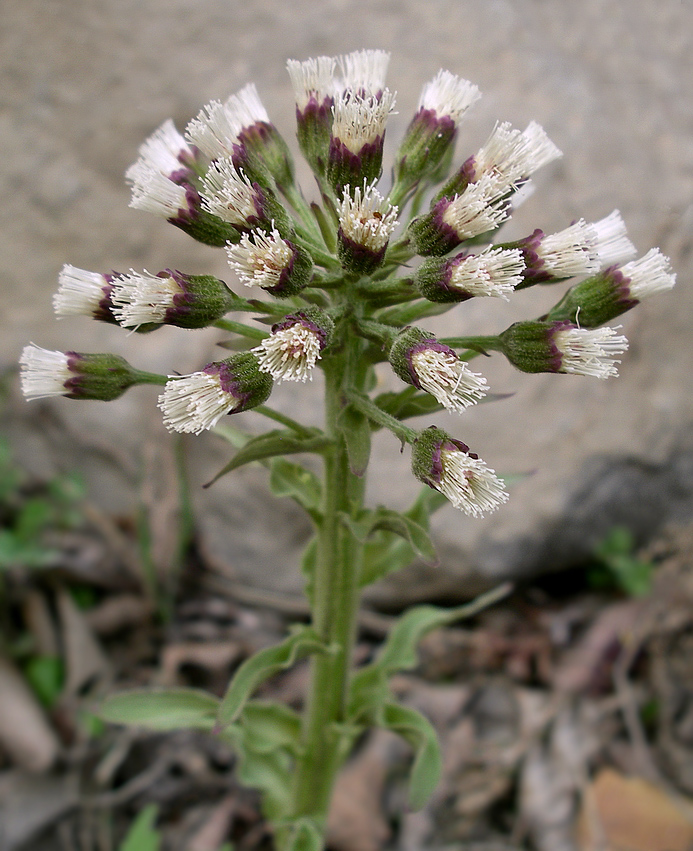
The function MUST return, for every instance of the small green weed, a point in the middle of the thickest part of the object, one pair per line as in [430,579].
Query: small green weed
[618,567]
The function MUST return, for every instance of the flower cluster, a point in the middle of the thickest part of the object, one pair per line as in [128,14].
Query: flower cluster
[343,283]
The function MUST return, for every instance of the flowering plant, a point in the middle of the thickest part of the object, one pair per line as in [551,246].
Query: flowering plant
[340,296]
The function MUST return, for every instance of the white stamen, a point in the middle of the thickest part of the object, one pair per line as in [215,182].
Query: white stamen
[260,259]
[448,379]
[613,245]
[494,272]
[217,126]
[449,95]
[359,120]
[194,403]
[477,210]
[80,292]
[155,193]
[289,354]
[469,483]
[590,352]
[649,275]
[365,218]
[44,372]
[364,70]
[141,298]
[572,251]
[513,155]
[162,152]
[228,193]
[312,78]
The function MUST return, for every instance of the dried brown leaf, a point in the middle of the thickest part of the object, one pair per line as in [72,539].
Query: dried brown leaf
[630,814]
[25,733]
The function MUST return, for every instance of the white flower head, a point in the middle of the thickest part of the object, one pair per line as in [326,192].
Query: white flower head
[217,127]
[154,193]
[478,209]
[468,482]
[589,352]
[494,272]
[612,243]
[649,275]
[572,251]
[448,379]
[513,155]
[360,120]
[290,353]
[228,194]
[80,292]
[364,71]
[312,79]
[140,298]
[44,372]
[448,95]
[194,403]
[260,259]
[165,151]
[366,218]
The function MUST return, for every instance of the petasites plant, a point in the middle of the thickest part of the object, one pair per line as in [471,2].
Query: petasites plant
[345,283]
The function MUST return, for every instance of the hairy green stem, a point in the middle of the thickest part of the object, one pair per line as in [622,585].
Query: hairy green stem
[335,601]
[241,329]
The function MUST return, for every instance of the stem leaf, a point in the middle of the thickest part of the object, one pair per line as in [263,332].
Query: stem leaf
[143,836]
[418,732]
[408,403]
[295,481]
[268,772]
[171,709]
[386,552]
[398,524]
[404,314]
[270,726]
[272,443]
[305,836]
[301,643]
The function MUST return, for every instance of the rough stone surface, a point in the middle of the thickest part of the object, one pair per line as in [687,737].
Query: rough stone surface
[84,82]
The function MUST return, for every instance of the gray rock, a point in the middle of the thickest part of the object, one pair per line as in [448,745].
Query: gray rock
[84,83]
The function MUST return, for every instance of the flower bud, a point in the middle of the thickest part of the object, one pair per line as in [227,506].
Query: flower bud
[447,465]
[169,298]
[196,402]
[494,272]
[240,130]
[617,289]
[267,260]
[295,345]
[314,87]
[179,203]
[366,223]
[355,152]
[512,156]
[431,133]
[419,359]
[84,293]
[75,375]
[563,347]
[580,249]
[451,221]
[230,195]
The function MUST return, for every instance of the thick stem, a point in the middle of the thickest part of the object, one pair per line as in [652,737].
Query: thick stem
[335,604]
